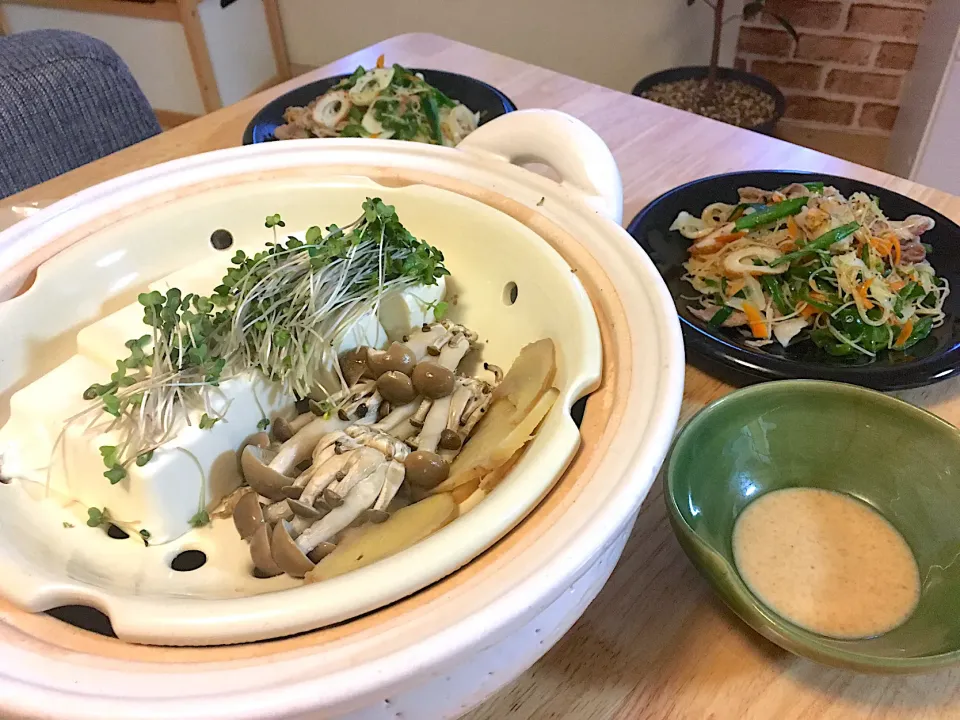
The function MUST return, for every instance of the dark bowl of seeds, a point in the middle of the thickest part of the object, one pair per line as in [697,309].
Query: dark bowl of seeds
[737,97]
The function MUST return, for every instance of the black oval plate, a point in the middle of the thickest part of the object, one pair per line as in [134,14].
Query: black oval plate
[475,94]
[935,358]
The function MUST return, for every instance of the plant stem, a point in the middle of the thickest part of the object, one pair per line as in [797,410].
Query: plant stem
[715,51]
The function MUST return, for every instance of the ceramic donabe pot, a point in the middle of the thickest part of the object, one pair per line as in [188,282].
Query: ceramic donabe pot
[484,604]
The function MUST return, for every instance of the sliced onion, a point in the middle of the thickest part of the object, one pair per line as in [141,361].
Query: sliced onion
[370,85]
[456,123]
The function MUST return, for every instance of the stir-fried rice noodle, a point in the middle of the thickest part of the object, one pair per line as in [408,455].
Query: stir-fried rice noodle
[821,266]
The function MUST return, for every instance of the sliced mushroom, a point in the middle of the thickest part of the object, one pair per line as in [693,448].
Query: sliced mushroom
[261,555]
[248,515]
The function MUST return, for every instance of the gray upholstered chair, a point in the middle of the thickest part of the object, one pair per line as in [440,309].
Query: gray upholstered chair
[65,99]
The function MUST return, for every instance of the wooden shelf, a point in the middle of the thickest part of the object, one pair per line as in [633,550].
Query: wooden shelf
[201,30]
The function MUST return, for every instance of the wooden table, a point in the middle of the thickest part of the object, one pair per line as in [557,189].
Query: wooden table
[655,643]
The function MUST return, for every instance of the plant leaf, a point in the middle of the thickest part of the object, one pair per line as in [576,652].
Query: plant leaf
[115,474]
[785,23]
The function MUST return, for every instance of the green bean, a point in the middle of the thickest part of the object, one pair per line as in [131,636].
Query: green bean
[821,243]
[771,214]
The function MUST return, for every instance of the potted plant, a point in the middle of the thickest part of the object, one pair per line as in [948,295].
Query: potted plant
[732,96]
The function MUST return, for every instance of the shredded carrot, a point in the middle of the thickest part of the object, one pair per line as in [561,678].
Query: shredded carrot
[808,311]
[758,326]
[380,61]
[818,296]
[862,292]
[736,286]
[896,247]
[897,285]
[881,245]
[787,246]
[905,333]
[793,230]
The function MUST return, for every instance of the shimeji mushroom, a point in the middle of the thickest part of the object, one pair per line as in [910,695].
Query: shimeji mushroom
[284,429]
[269,479]
[291,554]
[407,396]
[248,515]
[261,554]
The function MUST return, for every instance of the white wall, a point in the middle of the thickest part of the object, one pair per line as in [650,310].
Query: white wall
[608,42]
[155,51]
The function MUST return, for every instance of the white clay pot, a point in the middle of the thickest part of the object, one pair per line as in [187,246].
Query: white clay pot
[435,629]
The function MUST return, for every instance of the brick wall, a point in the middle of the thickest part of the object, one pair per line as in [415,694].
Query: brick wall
[847,70]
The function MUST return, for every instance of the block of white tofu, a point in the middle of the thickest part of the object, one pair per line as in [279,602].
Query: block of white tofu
[200,278]
[197,467]
[103,341]
[399,312]
[38,411]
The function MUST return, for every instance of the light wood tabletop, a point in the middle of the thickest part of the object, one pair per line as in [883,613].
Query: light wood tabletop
[655,643]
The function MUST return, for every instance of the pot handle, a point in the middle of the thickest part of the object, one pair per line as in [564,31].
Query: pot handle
[575,152]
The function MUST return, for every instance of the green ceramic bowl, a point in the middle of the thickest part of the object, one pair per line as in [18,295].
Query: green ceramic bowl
[902,461]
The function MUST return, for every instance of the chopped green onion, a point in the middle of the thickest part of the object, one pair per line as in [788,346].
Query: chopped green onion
[720,316]
[772,286]
[433,116]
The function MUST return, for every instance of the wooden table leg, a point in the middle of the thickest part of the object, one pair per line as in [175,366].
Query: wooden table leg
[199,54]
[277,41]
